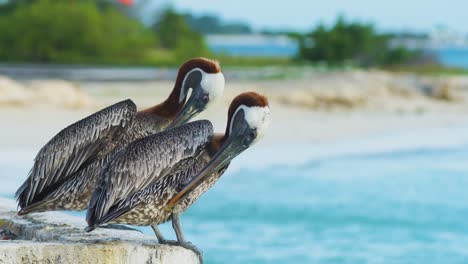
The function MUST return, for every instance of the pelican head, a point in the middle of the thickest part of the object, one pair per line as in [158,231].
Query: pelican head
[201,82]
[248,120]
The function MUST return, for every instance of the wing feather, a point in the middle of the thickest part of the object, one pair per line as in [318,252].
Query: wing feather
[143,162]
[75,145]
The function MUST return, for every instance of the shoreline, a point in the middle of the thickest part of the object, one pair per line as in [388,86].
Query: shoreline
[25,128]
[383,133]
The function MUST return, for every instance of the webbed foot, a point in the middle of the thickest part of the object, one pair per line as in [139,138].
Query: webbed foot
[186,245]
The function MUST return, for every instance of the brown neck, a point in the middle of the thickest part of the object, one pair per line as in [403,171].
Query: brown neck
[170,107]
[216,142]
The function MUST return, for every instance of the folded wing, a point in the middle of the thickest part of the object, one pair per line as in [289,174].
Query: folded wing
[143,162]
[73,147]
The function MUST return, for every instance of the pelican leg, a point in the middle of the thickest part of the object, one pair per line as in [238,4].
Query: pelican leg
[158,234]
[180,237]
[177,228]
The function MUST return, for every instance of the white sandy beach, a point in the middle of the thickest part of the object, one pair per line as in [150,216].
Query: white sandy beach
[318,108]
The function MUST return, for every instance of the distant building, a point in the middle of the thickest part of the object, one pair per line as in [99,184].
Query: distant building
[440,37]
[445,37]
[254,45]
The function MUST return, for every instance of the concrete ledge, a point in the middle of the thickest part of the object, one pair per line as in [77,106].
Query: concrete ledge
[55,237]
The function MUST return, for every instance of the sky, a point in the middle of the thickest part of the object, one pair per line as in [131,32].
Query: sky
[302,15]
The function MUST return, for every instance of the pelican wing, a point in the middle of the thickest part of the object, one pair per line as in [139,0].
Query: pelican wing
[143,162]
[72,147]
[157,192]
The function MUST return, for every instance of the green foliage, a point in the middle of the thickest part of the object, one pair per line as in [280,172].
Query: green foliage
[354,43]
[400,54]
[94,31]
[211,24]
[71,32]
[174,33]
[429,69]
[253,61]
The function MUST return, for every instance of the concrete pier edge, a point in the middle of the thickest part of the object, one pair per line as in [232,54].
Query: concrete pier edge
[56,237]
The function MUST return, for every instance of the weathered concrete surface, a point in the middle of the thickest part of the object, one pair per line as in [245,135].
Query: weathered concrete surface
[55,237]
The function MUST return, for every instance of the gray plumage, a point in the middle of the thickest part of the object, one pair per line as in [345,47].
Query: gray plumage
[141,179]
[67,168]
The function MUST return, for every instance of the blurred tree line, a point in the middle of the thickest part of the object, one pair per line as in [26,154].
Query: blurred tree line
[212,24]
[355,43]
[103,31]
[92,31]
[175,33]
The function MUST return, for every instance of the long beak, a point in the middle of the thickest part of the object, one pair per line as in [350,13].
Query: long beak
[192,107]
[223,156]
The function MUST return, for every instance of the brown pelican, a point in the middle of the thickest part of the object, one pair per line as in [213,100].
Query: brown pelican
[158,177]
[67,169]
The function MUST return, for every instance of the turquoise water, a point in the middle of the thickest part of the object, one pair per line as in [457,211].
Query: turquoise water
[453,57]
[398,205]
[266,50]
[404,207]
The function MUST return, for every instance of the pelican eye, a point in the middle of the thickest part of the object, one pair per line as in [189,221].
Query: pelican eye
[252,134]
[205,98]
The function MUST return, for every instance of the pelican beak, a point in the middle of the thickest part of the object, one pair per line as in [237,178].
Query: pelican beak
[193,106]
[237,142]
